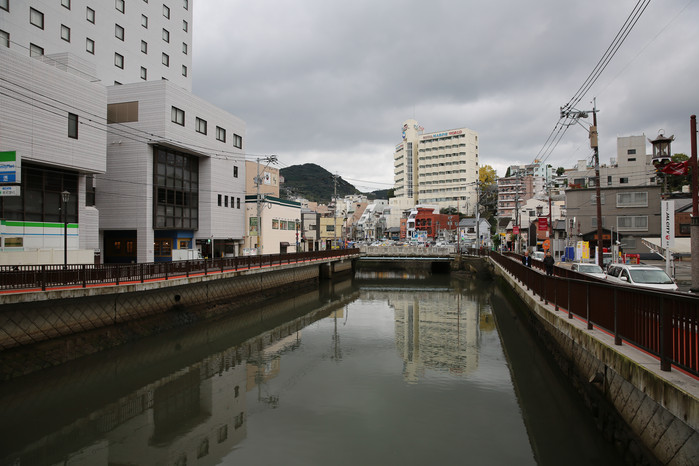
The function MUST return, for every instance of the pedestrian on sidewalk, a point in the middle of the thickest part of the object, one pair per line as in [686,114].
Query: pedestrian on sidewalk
[526,260]
[548,263]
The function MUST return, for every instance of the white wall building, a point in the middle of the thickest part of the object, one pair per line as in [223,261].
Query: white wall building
[281,225]
[174,176]
[439,168]
[632,166]
[155,123]
[54,121]
[125,41]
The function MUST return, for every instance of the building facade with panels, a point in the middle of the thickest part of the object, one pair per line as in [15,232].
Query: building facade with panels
[438,168]
[134,56]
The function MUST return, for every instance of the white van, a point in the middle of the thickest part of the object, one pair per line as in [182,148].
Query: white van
[644,276]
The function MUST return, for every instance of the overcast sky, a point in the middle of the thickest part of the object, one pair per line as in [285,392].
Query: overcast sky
[331,82]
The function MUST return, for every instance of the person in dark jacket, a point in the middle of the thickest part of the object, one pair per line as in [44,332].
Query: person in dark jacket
[548,263]
[526,259]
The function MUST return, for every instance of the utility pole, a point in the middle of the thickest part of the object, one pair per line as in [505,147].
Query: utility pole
[478,199]
[575,115]
[598,193]
[694,225]
[334,210]
[258,181]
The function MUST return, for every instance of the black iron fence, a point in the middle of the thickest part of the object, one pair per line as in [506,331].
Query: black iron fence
[665,324]
[41,277]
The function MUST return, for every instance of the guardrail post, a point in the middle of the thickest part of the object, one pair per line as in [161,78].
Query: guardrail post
[617,337]
[118,274]
[570,312]
[187,266]
[665,338]
[84,271]
[43,278]
[555,293]
[587,304]
[206,268]
[141,267]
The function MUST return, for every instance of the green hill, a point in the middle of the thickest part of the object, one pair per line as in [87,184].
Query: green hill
[314,183]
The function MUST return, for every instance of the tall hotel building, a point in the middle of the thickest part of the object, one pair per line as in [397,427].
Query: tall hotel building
[438,169]
[96,102]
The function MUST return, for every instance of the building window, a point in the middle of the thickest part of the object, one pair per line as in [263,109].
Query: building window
[176,190]
[631,151]
[144,46]
[66,3]
[4,38]
[119,60]
[166,35]
[235,172]
[73,126]
[35,50]
[593,221]
[220,197]
[185,4]
[65,33]
[237,203]
[632,199]
[200,126]
[184,48]
[5,5]
[632,159]
[184,25]
[184,70]
[609,180]
[118,32]
[177,116]
[237,141]
[36,18]
[166,59]
[166,11]
[90,45]
[144,21]
[220,134]
[632,223]
[119,5]
[90,15]
[225,201]
[144,74]
[90,190]
[623,180]
[685,229]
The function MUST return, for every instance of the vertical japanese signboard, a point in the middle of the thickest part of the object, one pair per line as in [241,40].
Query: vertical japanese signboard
[10,175]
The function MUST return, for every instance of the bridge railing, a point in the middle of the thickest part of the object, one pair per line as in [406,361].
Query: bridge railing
[664,324]
[41,277]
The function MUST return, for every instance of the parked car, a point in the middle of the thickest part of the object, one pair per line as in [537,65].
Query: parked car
[538,255]
[593,270]
[645,276]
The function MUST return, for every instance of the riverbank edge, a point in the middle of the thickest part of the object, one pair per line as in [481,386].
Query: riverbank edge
[67,326]
[659,409]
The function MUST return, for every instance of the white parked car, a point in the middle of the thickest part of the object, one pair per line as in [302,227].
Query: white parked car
[593,270]
[645,276]
[538,255]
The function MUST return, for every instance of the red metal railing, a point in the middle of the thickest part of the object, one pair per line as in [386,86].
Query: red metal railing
[665,324]
[41,277]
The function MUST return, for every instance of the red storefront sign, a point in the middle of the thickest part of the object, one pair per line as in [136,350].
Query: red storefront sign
[543,224]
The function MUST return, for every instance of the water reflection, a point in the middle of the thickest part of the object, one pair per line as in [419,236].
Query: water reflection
[389,368]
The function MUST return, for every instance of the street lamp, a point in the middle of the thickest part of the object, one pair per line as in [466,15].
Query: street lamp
[65,195]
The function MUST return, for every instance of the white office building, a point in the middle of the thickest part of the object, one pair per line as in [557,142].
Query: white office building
[439,168]
[157,173]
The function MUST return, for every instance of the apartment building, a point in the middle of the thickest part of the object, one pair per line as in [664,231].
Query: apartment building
[629,214]
[438,168]
[632,166]
[162,176]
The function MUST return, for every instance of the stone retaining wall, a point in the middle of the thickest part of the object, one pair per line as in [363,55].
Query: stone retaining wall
[648,410]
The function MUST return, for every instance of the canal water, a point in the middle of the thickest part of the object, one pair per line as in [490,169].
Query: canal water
[384,369]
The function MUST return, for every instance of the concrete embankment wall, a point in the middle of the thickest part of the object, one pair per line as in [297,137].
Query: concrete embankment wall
[66,324]
[639,407]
